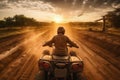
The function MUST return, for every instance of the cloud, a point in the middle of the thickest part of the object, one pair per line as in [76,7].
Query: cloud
[63,4]
[115,5]
[3,4]
[58,5]
[36,9]
[90,15]
[28,4]
[71,9]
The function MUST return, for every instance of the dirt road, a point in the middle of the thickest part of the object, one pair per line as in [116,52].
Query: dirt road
[21,61]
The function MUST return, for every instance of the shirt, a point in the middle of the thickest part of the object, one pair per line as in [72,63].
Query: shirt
[60,42]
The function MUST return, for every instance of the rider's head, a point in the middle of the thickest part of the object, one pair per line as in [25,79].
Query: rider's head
[60,30]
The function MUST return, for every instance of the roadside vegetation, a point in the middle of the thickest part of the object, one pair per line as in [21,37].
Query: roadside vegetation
[19,24]
[105,33]
[109,23]
[20,21]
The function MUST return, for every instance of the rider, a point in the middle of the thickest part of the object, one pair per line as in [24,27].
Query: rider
[60,42]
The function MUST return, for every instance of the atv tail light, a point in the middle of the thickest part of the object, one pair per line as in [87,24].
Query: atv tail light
[40,64]
[44,65]
[77,67]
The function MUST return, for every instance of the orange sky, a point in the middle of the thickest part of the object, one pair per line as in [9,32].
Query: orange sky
[67,10]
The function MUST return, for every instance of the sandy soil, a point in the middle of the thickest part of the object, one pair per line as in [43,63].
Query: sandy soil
[21,64]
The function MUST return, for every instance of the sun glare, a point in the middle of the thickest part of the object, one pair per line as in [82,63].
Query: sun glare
[58,19]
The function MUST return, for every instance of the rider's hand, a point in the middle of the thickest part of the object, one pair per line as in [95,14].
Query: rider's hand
[50,45]
[70,45]
[77,46]
[43,45]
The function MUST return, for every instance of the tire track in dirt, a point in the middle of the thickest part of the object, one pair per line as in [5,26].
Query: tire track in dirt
[96,66]
[25,43]
[24,65]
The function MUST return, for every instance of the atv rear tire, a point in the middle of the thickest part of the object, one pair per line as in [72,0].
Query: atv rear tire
[78,77]
[40,75]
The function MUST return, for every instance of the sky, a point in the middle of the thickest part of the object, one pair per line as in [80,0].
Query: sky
[58,10]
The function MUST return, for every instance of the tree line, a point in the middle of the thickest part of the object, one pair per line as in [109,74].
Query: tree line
[85,24]
[20,20]
[113,18]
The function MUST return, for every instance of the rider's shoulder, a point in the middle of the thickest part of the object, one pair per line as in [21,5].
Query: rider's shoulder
[55,35]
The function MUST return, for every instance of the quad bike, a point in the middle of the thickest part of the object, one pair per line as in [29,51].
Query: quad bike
[52,67]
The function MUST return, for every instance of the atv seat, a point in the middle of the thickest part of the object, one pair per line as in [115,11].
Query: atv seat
[60,57]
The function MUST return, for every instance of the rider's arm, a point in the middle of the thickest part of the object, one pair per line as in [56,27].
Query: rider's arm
[72,43]
[49,43]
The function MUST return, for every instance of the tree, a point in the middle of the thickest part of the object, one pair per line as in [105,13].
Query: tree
[113,18]
[8,21]
[20,20]
[2,23]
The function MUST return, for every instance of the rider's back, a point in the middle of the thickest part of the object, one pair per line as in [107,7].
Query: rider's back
[60,42]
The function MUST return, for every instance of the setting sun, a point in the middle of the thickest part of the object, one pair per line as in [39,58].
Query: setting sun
[58,19]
